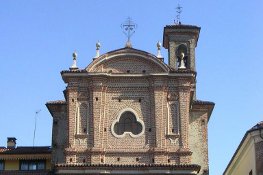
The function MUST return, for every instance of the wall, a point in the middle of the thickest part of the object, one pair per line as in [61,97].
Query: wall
[11,164]
[48,164]
[246,161]
[59,133]
[198,140]
[259,157]
[147,97]
[14,164]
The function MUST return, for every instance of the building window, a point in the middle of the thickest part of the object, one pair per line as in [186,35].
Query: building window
[173,116]
[32,165]
[127,123]
[2,165]
[82,118]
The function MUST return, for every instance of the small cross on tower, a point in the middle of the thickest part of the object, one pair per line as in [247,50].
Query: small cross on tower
[178,16]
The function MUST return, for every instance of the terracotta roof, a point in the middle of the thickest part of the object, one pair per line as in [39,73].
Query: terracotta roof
[2,149]
[28,150]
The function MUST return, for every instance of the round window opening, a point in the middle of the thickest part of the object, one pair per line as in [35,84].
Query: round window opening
[128,123]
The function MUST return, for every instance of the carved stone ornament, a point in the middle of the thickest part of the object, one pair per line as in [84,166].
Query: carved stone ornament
[174,141]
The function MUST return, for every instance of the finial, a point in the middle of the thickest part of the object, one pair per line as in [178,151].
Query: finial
[97,49]
[74,64]
[159,45]
[178,16]
[128,29]
[74,55]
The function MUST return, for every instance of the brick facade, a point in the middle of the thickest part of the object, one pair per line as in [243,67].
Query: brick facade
[161,97]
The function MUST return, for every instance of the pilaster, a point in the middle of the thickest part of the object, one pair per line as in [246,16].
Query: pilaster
[72,94]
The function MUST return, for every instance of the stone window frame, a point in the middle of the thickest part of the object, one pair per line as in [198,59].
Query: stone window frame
[173,99]
[169,116]
[130,133]
[77,118]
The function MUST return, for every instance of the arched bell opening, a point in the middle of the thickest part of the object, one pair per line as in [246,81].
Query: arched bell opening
[182,57]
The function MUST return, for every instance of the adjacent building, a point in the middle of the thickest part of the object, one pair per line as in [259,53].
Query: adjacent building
[129,112]
[24,160]
[248,158]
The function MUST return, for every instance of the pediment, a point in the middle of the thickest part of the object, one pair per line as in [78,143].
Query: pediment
[127,60]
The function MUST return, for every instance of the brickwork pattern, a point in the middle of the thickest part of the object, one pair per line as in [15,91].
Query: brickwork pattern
[198,139]
[190,43]
[59,137]
[173,117]
[82,118]
[128,99]
[112,96]
[127,65]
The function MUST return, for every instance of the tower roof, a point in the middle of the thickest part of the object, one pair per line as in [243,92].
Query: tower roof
[173,30]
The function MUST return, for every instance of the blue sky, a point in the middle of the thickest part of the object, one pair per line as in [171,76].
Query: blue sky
[38,38]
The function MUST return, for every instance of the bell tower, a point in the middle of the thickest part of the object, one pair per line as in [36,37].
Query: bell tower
[181,41]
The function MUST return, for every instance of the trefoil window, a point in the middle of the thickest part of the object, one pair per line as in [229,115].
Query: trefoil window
[127,123]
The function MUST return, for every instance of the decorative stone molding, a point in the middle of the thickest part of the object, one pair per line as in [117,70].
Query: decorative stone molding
[174,141]
[129,133]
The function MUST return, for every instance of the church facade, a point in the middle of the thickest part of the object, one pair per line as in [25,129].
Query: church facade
[128,112]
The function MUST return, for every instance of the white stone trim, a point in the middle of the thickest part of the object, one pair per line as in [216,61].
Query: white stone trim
[137,119]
